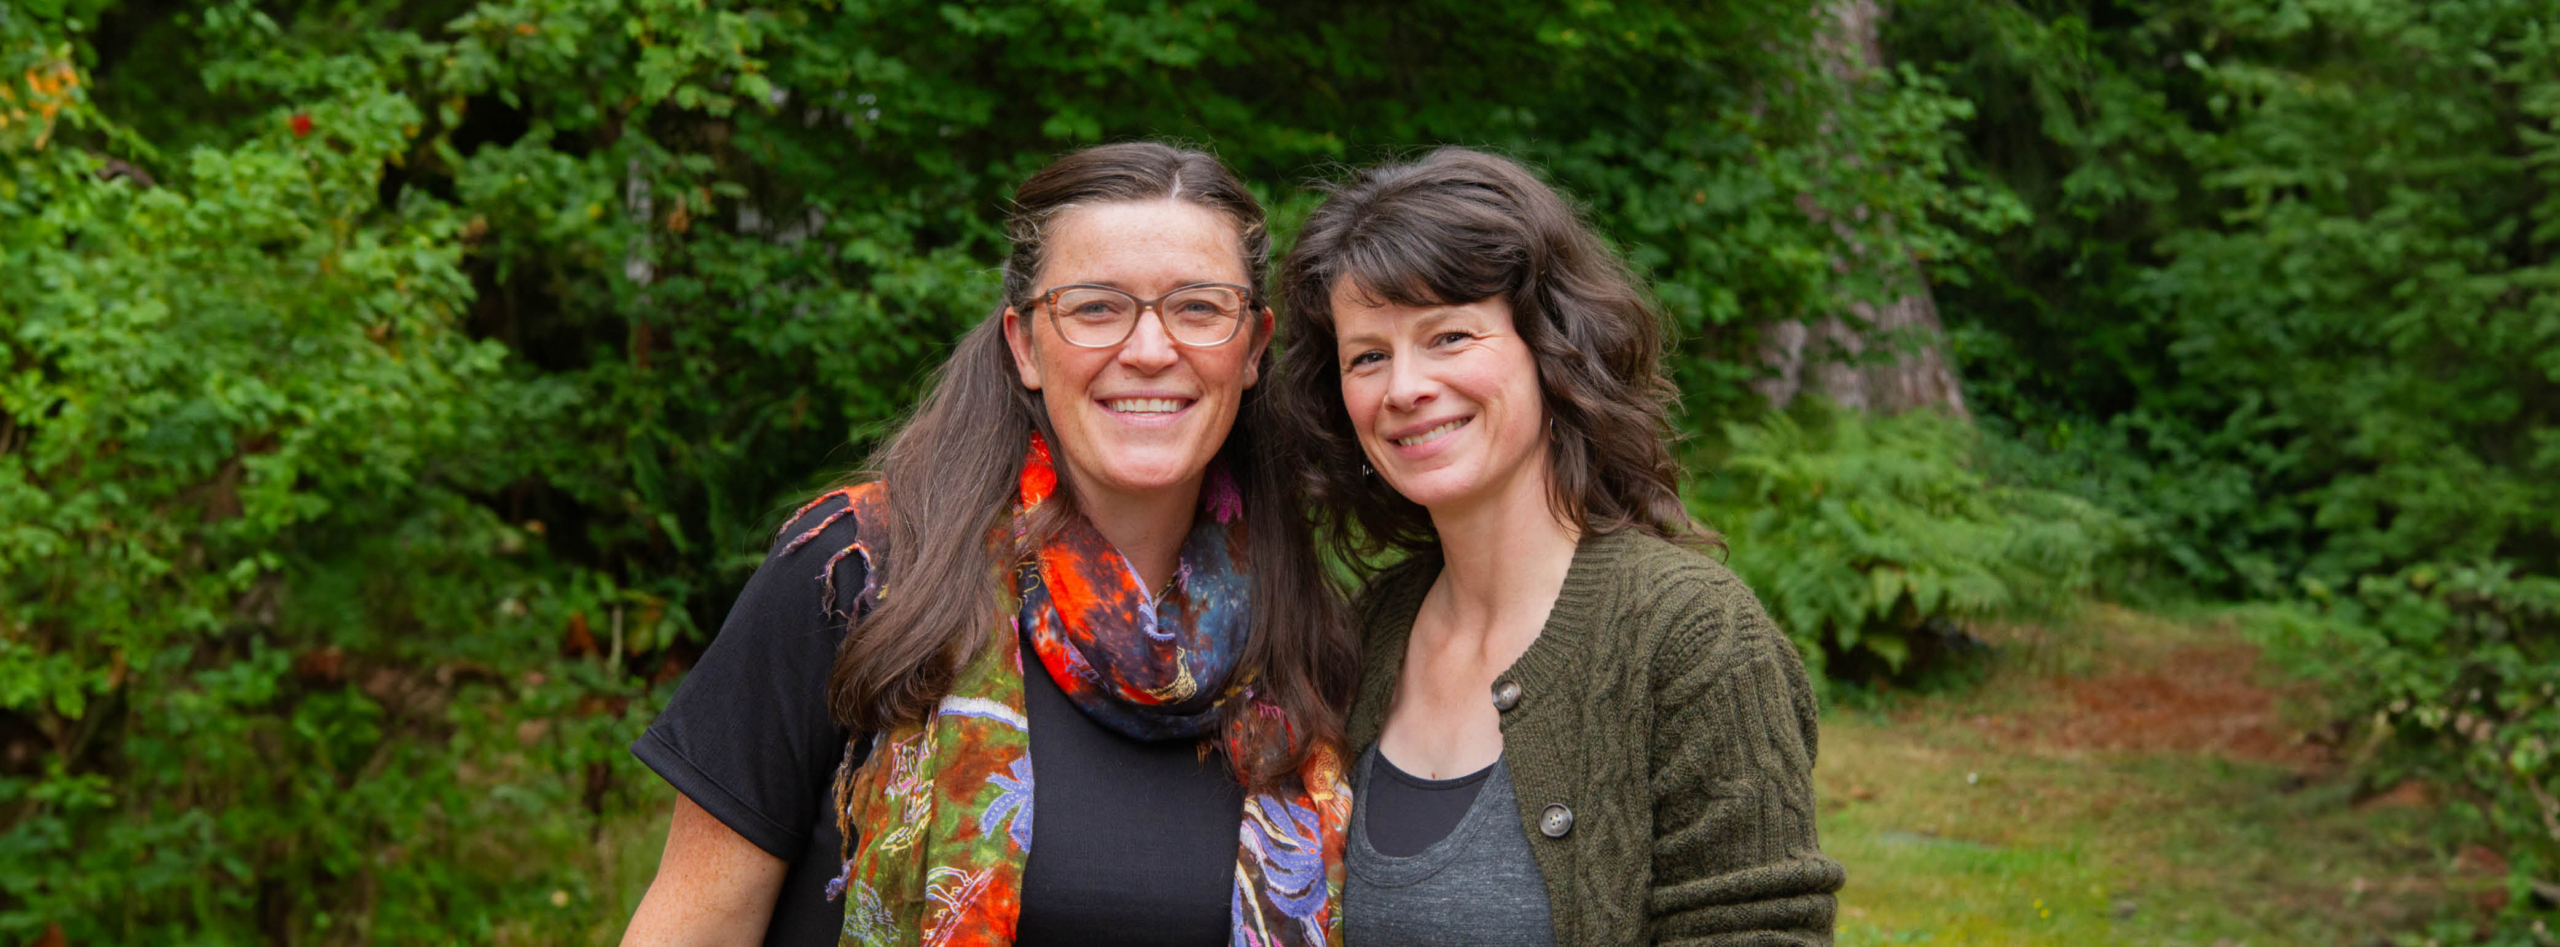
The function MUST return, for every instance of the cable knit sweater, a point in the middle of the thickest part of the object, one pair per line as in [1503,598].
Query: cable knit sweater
[1674,723]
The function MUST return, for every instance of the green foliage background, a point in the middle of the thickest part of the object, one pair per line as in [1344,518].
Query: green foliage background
[1863,536]
[393,393]
[2289,299]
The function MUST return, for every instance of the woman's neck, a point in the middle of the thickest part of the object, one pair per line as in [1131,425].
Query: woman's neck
[1505,555]
[1146,528]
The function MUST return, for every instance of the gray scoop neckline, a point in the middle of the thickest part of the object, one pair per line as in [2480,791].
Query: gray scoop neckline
[1382,870]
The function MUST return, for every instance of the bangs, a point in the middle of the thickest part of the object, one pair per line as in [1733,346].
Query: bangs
[1447,255]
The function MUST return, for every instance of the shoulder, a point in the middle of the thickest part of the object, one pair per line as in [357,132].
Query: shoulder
[767,674]
[1688,610]
[1634,553]
[831,520]
[829,546]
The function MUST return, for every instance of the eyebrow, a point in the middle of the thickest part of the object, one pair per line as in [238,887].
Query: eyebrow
[1435,316]
[1124,287]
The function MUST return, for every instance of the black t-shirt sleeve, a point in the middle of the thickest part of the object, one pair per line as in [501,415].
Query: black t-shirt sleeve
[747,736]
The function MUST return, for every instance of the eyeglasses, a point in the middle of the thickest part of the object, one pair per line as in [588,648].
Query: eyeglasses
[1200,315]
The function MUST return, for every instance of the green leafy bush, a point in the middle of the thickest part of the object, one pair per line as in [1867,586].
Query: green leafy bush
[268,670]
[1859,532]
[2452,673]
[2290,288]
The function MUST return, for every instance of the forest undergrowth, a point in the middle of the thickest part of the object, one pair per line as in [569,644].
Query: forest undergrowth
[2119,776]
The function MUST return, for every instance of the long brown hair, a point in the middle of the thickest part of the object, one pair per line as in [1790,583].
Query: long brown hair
[1457,227]
[951,474]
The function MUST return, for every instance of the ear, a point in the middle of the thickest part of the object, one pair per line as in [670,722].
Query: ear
[1017,336]
[1261,341]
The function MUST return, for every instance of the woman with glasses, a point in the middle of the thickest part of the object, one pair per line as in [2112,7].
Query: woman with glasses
[1572,726]
[1076,588]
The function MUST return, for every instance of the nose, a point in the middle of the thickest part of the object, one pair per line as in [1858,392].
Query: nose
[1408,386]
[1149,348]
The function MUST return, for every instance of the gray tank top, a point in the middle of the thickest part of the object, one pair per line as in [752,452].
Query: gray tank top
[1478,886]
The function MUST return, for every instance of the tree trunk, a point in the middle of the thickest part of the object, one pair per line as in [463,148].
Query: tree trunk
[1830,357]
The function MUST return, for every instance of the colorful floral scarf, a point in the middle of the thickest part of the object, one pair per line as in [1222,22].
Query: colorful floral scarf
[943,809]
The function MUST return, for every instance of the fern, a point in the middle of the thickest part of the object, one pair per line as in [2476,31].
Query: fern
[1857,532]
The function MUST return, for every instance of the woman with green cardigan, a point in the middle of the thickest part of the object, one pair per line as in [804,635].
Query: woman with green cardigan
[1573,725]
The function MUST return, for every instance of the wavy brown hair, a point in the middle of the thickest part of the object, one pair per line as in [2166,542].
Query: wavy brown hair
[951,476]
[1457,227]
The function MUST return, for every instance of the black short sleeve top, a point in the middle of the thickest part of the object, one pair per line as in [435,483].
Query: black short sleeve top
[1135,842]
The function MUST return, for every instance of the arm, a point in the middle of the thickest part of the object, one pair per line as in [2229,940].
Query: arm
[1735,856]
[713,886]
[749,745]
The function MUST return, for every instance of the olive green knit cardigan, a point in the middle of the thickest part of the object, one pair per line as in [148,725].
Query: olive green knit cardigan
[1672,721]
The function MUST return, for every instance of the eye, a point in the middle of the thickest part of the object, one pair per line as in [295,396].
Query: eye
[1450,338]
[1370,357]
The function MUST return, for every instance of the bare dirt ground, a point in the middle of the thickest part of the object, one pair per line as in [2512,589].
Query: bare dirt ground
[2123,778]
[2207,699]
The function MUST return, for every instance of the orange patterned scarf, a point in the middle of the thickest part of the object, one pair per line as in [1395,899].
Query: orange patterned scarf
[943,809]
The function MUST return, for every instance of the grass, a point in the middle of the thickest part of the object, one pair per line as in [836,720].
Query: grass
[2120,780]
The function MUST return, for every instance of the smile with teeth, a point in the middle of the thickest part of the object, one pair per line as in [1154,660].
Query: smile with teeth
[1416,440]
[1146,405]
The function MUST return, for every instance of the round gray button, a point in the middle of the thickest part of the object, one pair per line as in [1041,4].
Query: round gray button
[1557,821]
[1506,695]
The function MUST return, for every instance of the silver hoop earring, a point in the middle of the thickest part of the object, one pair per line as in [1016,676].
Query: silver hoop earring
[1366,472]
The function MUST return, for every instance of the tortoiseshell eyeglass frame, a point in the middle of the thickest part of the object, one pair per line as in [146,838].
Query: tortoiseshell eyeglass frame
[1048,298]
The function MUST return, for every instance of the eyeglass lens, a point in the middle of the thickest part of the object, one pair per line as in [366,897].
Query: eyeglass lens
[1193,315]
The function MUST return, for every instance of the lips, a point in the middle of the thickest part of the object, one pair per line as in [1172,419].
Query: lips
[1433,433]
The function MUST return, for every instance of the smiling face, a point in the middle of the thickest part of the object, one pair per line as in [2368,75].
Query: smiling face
[1145,416]
[1445,400]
